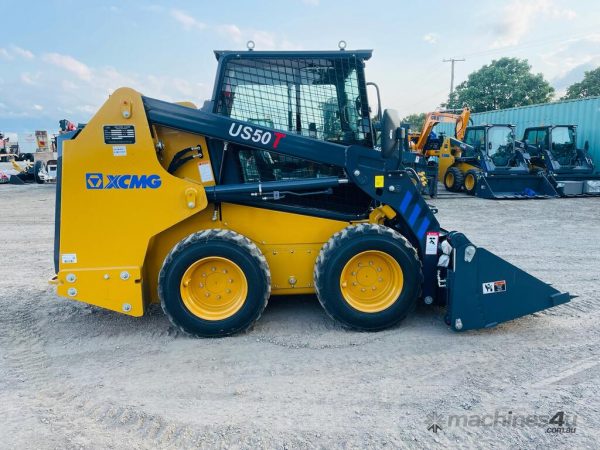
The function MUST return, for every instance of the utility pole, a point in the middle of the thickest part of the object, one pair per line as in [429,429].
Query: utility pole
[452,61]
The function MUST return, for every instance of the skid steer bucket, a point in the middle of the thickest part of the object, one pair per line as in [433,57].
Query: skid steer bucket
[485,290]
[519,186]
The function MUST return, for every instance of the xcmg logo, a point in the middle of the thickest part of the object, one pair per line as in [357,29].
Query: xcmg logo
[126,181]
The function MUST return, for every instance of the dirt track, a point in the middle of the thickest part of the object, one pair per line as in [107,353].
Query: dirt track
[73,376]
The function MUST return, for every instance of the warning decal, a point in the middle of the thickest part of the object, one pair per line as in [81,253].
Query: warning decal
[493,287]
[206,174]
[431,244]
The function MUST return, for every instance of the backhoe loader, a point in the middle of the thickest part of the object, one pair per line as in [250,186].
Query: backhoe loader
[275,186]
[440,146]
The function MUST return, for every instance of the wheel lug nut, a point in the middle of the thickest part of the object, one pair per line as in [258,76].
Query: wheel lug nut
[213,269]
[224,270]
[363,290]
[228,291]
[201,285]
[380,280]
[354,283]
[344,284]
[370,263]
[218,297]
[231,280]
[207,294]
[379,269]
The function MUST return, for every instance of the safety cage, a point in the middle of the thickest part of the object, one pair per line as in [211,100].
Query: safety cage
[322,97]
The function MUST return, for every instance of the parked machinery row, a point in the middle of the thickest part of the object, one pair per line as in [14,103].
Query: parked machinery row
[488,161]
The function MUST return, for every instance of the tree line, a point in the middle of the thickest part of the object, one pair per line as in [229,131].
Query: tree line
[509,83]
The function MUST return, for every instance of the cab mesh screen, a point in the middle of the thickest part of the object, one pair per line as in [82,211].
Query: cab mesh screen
[316,97]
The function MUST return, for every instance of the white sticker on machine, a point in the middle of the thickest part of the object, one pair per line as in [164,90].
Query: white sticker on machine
[69,258]
[431,245]
[206,173]
[119,150]
[493,287]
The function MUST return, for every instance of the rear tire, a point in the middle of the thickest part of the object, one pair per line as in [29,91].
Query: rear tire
[470,181]
[368,277]
[453,179]
[214,283]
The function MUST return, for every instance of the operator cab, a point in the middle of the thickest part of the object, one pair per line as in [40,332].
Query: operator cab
[319,95]
[495,143]
[559,140]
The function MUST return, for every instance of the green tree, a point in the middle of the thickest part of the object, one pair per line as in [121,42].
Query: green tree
[416,120]
[504,83]
[589,86]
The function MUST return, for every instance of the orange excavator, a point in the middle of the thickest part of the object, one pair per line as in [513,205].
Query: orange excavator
[440,147]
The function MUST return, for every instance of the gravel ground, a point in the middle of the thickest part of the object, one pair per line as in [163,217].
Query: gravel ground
[75,376]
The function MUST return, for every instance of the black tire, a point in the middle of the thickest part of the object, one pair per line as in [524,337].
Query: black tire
[340,249]
[214,243]
[37,166]
[471,186]
[453,179]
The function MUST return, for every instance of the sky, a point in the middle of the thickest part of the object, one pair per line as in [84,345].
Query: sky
[62,59]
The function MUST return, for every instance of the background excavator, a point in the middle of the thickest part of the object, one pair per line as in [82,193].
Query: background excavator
[440,147]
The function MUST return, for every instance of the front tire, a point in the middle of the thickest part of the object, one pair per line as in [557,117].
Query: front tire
[470,181]
[214,283]
[368,277]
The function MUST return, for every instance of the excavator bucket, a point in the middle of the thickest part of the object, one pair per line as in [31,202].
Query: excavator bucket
[519,186]
[485,290]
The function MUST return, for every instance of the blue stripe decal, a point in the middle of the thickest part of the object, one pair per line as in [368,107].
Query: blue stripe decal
[405,201]
[423,227]
[414,214]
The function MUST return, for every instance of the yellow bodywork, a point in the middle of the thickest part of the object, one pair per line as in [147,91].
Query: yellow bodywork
[114,241]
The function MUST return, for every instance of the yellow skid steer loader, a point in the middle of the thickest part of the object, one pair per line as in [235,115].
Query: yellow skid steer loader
[276,186]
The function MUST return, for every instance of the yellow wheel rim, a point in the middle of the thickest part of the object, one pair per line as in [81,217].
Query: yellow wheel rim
[214,288]
[449,179]
[371,281]
[470,182]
